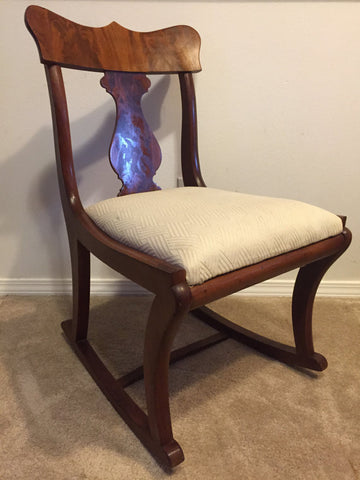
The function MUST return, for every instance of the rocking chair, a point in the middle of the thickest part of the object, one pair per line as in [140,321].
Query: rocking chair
[189,246]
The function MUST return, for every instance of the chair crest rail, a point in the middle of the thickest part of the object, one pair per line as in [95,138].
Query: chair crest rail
[61,41]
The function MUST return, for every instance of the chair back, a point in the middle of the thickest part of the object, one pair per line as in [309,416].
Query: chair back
[125,57]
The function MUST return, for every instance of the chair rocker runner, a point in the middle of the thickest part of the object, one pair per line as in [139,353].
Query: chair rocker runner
[189,246]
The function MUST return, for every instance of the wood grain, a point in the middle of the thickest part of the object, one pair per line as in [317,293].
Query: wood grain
[113,47]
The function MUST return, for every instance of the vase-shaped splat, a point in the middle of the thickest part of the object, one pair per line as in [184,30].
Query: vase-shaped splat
[135,154]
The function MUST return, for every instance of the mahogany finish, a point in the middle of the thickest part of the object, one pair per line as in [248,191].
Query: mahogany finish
[61,41]
[64,43]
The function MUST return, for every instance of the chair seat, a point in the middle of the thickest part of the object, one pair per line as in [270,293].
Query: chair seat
[209,232]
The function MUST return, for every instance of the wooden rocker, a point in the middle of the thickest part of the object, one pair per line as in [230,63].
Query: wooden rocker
[190,245]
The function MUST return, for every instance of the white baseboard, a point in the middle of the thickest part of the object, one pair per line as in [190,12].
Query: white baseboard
[47,286]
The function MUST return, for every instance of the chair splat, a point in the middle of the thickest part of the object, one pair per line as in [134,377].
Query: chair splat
[135,154]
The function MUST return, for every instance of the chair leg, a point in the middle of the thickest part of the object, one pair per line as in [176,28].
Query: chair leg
[305,288]
[303,354]
[80,265]
[164,320]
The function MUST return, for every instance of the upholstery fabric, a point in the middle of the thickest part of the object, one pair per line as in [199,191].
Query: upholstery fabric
[209,232]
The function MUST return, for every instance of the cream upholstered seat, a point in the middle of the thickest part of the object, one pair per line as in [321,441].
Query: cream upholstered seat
[209,232]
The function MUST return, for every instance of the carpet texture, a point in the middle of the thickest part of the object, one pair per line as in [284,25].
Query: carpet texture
[236,413]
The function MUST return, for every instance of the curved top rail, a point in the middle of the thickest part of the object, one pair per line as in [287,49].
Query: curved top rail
[113,47]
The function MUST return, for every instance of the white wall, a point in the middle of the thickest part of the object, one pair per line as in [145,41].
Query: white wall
[278,107]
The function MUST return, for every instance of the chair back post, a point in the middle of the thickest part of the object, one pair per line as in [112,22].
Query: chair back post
[189,139]
[70,197]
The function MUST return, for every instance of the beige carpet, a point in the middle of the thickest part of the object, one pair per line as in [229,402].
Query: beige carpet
[237,414]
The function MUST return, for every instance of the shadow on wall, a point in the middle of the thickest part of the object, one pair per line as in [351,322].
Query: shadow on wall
[43,210]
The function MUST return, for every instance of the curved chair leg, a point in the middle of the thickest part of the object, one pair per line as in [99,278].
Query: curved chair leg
[80,266]
[305,288]
[164,320]
[302,355]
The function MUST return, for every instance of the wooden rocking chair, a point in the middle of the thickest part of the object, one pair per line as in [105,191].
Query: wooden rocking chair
[190,245]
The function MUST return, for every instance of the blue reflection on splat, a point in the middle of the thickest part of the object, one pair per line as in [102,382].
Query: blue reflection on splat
[134,153]
[127,149]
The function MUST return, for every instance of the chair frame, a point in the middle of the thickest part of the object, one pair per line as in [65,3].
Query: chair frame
[174,298]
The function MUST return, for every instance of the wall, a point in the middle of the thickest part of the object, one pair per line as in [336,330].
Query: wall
[278,106]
